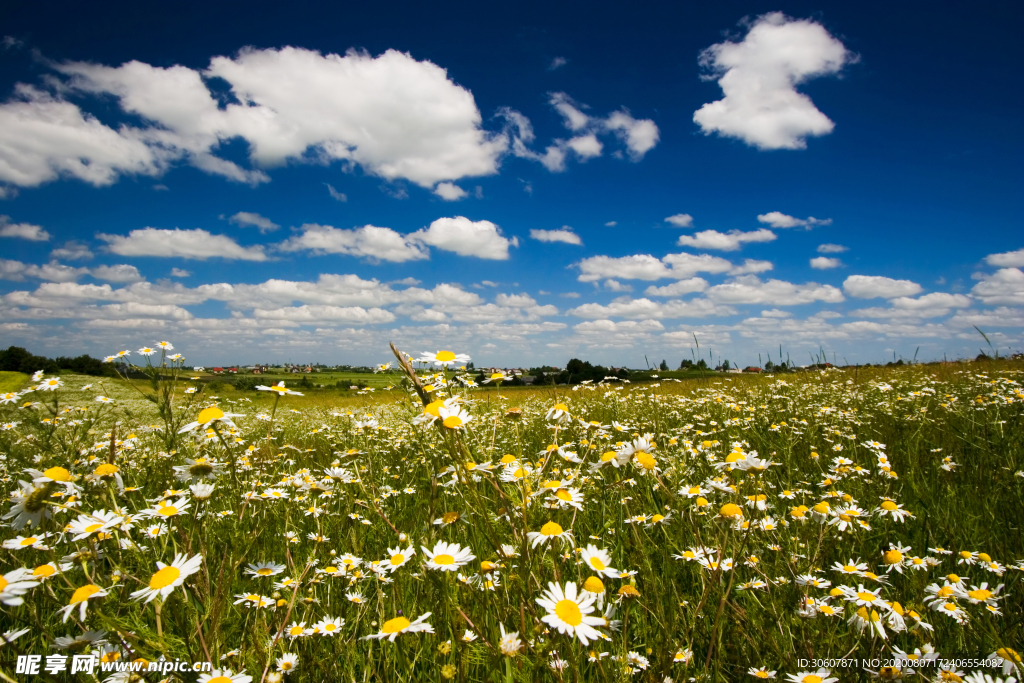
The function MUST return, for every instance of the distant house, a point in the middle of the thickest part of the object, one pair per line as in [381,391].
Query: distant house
[751,368]
[218,371]
[527,379]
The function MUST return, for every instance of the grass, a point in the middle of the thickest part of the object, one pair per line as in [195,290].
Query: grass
[12,381]
[944,442]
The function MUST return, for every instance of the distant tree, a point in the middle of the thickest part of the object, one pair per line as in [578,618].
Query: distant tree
[702,364]
[687,364]
[725,365]
[663,366]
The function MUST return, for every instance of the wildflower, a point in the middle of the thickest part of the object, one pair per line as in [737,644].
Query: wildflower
[761,673]
[80,599]
[328,626]
[893,558]
[22,542]
[279,389]
[819,676]
[264,569]
[169,577]
[447,557]
[890,507]
[1009,659]
[567,611]
[224,676]
[509,644]
[599,561]
[287,662]
[14,584]
[454,417]
[100,522]
[865,618]
[559,413]
[398,557]
[547,532]
[393,628]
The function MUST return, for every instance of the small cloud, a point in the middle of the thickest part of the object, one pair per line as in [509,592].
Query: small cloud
[161,188]
[450,192]
[72,251]
[611,224]
[775,313]
[180,272]
[527,186]
[825,263]
[410,281]
[543,292]
[565,235]
[557,63]
[10,42]
[570,295]
[478,192]
[8,192]
[777,219]
[245,219]
[488,283]
[831,249]
[681,220]
[25,231]
[123,273]
[340,196]
[616,286]
[940,281]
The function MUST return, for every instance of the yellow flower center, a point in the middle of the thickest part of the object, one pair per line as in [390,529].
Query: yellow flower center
[563,494]
[944,592]
[822,508]
[569,612]
[444,559]
[646,461]
[209,414]
[980,594]
[264,571]
[29,541]
[657,518]
[608,456]
[965,555]
[551,529]
[330,627]
[450,517]
[561,406]
[701,502]
[164,578]
[93,527]
[398,559]
[596,563]
[44,570]
[594,585]
[811,678]
[507,458]
[1009,654]
[57,474]
[168,510]
[892,557]
[731,510]
[949,607]
[105,470]
[952,578]
[888,505]
[867,597]
[734,457]
[83,593]
[396,625]
[453,422]
[295,631]
[445,356]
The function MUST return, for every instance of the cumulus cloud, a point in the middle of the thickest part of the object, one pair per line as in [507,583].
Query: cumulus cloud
[1008,259]
[616,286]
[638,136]
[1005,286]
[369,241]
[681,220]
[931,305]
[482,239]
[677,266]
[758,77]
[58,272]
[397,117]
[876,286]
[450,192]
[638,309]
[339,196]
[564,235]
[777,219]
[180,272]
[25,231]
[318,314]
[190,244]
[119,273]
[831,249]
[248,219]
[724,241]
[72,250]
[824,263]
[557,63]
[749,289]
[679,288]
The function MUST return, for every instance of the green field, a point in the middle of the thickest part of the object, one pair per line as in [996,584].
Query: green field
[752,521]
[12,381]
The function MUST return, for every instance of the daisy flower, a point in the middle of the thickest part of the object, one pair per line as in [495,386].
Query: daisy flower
[890,507]
[509,644]
[547,532]
[397,557]
[169,577]
[1008,658]
[297,630]
[443,358]
[100,521]
[14,584]
[80,599]
[166,508]
[279,389]
[819,676]
[454,417]
[559,413]
[567,611]
[287,662]
[22,542]
[761,672]
[264,569]
[447,557]
[568,497]
[328,626]
[225,676]
[393,628]
[599,561]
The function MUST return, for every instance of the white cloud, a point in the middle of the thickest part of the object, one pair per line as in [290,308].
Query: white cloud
[824,263]
[679,288]
[630,327]
[119,273]
[191,244]
[749,289]
[557,63]
[1005,286]
[681,220]
[314,314]
[52,271]
[875,286]
[616,286]
[72,251]
[611,224]
[831,249]
[685,265]
[180,272]
[25,231]
[645,308]
[636,267]
[775,313]
[758,77]
[340,196]
[43,137]
[1009,259]
[574,119]
[777,219]
[639,136]
[391,114]
[369,241]
[450,192]
[248,219]
[751,266]
[931,305]
[730,241]
[564,235]
[482,239]
[585,146]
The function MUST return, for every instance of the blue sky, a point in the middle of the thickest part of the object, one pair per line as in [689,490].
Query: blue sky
[523,184]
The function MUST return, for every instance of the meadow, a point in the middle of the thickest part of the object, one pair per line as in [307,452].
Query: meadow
[838,525]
